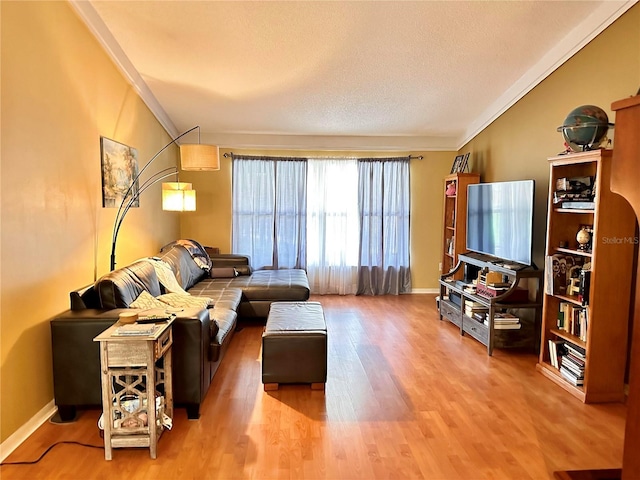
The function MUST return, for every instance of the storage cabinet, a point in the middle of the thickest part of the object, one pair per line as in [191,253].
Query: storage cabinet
[590,318]
[454,218]
[483,315]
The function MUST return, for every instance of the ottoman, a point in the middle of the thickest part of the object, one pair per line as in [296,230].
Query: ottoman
[294,345]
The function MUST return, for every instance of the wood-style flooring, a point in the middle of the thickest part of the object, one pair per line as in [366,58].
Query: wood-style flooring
[406,397]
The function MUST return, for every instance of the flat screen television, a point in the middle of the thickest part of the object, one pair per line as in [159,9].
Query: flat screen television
[500,220]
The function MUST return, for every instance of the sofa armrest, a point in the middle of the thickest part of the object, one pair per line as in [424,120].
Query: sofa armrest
[84,298]
[76,357]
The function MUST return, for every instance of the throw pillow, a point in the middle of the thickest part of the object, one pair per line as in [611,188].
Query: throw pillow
[177,300]
[145,300]
[224,272]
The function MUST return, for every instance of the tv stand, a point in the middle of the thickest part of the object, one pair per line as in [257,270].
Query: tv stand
[475,312]
[498,261]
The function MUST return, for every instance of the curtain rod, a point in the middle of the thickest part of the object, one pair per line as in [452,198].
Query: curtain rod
[411,157]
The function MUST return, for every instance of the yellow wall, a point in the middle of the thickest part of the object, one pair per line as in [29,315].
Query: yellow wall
[211,223]
[60,93]
[517,145]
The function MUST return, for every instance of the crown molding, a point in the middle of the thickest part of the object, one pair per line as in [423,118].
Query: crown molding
[607,13]
[332,142]
[92,20]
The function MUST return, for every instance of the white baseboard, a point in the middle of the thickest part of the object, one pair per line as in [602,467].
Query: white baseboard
[10,444]
[431,291]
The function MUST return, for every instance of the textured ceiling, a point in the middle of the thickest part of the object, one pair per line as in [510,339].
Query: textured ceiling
[424,75]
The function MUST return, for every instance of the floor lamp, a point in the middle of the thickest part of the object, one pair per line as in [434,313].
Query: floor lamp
[177,196]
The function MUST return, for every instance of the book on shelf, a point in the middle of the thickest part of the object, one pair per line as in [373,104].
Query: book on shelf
[571,377]
[507,326]
[556,351]
[553,353]
[584,286]
[505,321]
[576,351]
[579,205]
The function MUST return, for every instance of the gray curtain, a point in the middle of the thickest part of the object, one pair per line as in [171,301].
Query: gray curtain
[384,204]
[269,210]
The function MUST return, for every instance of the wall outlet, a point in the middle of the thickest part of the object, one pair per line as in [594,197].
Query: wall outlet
[440,267]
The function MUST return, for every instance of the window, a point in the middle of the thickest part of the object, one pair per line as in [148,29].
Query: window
[345,221]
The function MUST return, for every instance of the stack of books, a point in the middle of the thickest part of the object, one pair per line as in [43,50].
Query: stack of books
[504,321]
[470,288]
[572,365]
[474,309]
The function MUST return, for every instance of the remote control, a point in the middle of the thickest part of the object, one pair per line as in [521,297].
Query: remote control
[153,318]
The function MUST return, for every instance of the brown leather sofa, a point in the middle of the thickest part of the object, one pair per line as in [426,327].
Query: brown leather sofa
[201,336]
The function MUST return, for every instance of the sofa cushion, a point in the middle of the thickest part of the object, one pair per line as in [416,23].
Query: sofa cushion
[271,285]
[118,289]
[178,300]
[222,297]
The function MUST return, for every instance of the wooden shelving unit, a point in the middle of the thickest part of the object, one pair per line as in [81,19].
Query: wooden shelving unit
[611,259]
[489,335]
[454,219]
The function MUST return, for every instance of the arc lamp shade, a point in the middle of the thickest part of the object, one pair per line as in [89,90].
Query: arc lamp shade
[199,157]
[178,197]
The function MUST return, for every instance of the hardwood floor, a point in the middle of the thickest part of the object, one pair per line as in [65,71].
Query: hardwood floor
[406,397]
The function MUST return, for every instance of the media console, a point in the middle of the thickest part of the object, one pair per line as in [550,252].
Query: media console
[498,303]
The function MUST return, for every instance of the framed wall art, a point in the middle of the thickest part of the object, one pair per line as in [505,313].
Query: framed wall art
[119,169]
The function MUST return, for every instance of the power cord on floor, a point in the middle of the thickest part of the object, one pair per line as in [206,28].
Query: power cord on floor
[49,449]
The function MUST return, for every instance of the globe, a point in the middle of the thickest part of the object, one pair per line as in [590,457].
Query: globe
[585,128]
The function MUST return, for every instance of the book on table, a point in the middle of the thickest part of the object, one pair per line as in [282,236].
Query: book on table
[135,329]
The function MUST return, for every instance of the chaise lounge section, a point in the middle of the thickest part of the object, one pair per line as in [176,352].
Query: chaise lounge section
[202,331]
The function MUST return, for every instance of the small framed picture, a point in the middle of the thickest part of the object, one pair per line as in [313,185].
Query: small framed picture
[457,163]
[465,162]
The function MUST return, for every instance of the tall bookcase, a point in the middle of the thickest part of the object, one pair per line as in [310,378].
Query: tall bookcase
[454,219]
[604,343]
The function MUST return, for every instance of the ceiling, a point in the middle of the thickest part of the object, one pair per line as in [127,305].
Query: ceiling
[423,75]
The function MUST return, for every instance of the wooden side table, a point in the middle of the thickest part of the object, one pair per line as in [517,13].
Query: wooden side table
[136,377]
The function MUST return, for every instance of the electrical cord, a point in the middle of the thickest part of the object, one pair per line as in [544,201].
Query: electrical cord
[49,449]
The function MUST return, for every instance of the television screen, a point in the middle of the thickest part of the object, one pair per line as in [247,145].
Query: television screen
[500,219]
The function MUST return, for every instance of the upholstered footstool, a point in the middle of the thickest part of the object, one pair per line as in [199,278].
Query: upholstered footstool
[294,345]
